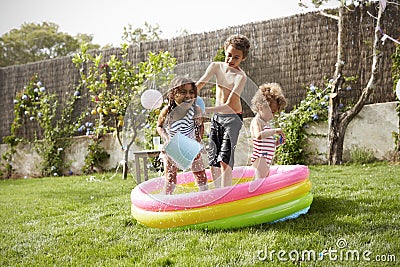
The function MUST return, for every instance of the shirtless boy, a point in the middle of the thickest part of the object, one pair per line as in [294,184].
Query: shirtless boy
[227,120]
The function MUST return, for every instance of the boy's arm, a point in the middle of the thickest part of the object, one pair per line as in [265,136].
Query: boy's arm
[206,76]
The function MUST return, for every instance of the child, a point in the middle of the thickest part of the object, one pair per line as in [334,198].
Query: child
[227,120]
[267,101]
[181,114]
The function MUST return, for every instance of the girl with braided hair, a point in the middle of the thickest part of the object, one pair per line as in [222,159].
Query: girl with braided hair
[181,114]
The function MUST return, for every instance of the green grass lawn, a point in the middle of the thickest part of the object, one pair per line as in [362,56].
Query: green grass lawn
[81,221]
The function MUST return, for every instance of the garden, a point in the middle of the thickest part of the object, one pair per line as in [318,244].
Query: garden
[85,219]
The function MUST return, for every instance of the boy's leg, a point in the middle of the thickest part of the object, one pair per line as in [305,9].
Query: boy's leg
[216,176]
[232,125]
[214,146]
[226,177]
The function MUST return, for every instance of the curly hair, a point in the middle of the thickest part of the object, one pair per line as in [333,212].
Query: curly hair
[239,42]
[268,92]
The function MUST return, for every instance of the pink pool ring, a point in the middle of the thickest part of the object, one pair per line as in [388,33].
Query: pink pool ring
[284,194]
[143,196]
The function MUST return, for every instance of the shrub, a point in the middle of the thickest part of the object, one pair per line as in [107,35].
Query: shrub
[313,108]
[361,155]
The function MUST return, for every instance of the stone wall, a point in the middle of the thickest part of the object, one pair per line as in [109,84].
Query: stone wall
[371,129]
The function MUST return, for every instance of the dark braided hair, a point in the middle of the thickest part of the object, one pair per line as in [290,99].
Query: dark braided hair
[176,84]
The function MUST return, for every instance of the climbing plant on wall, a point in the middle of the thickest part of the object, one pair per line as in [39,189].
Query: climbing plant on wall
[396,79]
[37,105]
[313,108]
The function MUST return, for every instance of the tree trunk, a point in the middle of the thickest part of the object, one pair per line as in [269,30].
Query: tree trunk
[125,167]
[338,122]
[335,139]
[126,155]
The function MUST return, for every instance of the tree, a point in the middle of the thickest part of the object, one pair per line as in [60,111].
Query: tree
[135,36]
[35,42]
[116,86]
[337,119]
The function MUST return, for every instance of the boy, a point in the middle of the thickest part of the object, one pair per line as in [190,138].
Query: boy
[227,120]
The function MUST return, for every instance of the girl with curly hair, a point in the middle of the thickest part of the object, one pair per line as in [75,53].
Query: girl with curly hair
[267,101]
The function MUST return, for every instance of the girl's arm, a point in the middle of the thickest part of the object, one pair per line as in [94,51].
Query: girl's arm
[270,132]
[258,133]
[160,124]
[199,123]
[255,129]
[281,140]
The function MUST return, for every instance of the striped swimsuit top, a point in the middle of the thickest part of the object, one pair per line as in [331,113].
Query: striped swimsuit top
[185,126]
[264,148]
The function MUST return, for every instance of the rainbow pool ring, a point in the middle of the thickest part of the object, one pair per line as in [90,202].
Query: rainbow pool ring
[285,194]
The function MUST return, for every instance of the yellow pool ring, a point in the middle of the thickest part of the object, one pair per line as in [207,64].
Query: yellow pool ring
[169,219]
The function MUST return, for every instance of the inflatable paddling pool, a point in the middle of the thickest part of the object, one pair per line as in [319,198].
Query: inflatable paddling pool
[285,194]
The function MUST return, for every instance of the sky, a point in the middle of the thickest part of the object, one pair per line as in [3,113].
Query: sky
[105,20]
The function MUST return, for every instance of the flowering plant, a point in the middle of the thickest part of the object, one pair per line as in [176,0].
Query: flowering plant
[35,105]
[314,107]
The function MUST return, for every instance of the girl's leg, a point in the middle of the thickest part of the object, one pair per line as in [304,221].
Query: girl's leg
[201,179]
[200,173]
[170,177]
[261,168]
